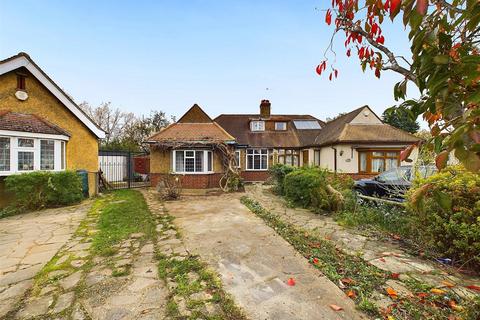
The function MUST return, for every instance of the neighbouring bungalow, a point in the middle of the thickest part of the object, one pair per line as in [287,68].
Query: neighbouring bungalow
[41,127]
[357,143]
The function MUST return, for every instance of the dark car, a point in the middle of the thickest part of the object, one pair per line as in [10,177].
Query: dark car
[392,183]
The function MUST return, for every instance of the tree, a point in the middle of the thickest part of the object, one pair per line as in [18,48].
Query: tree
[335,117]
[401,119]
[444,37]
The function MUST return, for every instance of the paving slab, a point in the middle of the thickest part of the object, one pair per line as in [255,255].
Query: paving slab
[255,263]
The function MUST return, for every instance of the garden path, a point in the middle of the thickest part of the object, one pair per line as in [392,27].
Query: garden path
[28,242]
[255,263]
[386,255]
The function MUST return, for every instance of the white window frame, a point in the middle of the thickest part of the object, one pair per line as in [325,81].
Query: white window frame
[262,153]
[283,128]
[37,137]
[204,164]
[257,125]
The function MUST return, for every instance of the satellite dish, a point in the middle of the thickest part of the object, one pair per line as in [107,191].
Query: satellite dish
[21,95]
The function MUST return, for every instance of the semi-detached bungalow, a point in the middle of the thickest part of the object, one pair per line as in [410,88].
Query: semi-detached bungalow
[357,143]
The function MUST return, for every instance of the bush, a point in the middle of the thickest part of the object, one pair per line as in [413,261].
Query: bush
[446,212]
[278,173]
[41,189]
[317,188]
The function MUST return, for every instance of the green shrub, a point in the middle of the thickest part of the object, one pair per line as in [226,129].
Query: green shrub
[42,189]
[446,212]
[278,173]
[300,184]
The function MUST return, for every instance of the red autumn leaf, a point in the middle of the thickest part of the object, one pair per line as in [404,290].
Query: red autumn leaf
[361,52]
[395,275]
[377,73]
[336,73]
[350,15]
[291,282]
[349,52]
[374,28]
[319,69]
[422,295]
[380,39]
[422,6]
[330,77]
[473,287]
[392,293]
[406,153]
[351,294]
[441,159]
[335,307]
[394,8]
[347,280]
[328,17]
[386,5]
[315,260]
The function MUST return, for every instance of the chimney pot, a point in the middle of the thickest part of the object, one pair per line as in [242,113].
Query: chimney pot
[265,107]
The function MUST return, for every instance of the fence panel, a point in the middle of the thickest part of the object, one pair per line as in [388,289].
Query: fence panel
[123,169]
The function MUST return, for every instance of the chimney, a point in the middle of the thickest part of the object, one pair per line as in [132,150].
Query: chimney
[265,109]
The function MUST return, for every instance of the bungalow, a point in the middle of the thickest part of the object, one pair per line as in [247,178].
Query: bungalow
[357,143]
[41,127]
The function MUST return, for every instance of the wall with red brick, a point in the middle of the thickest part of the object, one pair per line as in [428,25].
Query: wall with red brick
[142,164]
[191,181]
[252,176]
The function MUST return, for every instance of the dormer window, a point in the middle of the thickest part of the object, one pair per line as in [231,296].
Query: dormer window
[280,126]
[21,82]
[257,125]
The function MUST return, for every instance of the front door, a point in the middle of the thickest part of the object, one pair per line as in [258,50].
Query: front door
[305,157]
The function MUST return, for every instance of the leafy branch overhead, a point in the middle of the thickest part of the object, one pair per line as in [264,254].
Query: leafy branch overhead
[444,64]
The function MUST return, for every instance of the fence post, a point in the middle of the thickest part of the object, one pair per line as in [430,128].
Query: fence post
[129,169]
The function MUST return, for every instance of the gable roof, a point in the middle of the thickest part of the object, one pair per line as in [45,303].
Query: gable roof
[238,125]
[195,126]
[23,60]
[13,121]
[341,130]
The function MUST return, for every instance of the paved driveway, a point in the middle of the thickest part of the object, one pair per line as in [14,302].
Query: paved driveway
[28,242]
[255,263]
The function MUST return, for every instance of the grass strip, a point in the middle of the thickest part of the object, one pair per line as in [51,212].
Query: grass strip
[122,212]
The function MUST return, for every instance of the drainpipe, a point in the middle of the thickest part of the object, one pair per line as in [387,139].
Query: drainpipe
[334,159]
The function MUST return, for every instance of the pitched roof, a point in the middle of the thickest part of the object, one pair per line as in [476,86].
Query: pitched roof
[13,121]
[341,130]
[186,130]
[238,125]
[23,60]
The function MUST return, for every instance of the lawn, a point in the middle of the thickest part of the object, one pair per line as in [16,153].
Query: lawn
[122,213]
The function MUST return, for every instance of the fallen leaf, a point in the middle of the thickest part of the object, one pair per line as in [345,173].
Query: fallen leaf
[422,295]
[291,282]
[381,259]
[392,293]
[473,287]
[335,307]
[347,280]
[448,284]
[390,318]
[437,291]
[395,275]
[351,294]
[315,245]
[315,260]
[396,237]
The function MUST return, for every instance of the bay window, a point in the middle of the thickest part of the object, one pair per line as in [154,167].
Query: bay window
[24,154]
[193,161]
[376,161]
[257,159]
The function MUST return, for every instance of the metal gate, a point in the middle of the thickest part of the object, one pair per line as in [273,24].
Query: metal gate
[123,169]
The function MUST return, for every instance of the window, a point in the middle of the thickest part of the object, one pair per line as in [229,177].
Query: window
[21,85]
[193,161]
[257,125]
[237,158]
[4,154]
[47,154]
[257,159]
[376,161]
[288,156]
[280,126]
[21,154]
[316,157]
[307,124]
[25,161]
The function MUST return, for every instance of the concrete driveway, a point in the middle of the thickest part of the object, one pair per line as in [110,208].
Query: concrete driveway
[27,243]
[255,263]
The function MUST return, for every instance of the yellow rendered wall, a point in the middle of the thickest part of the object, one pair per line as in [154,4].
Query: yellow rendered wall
[82,148]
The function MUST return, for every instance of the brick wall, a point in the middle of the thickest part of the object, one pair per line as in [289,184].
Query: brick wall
[251,176]
[191,181]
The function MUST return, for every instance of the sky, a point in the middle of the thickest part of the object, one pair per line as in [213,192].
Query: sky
[167,55]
